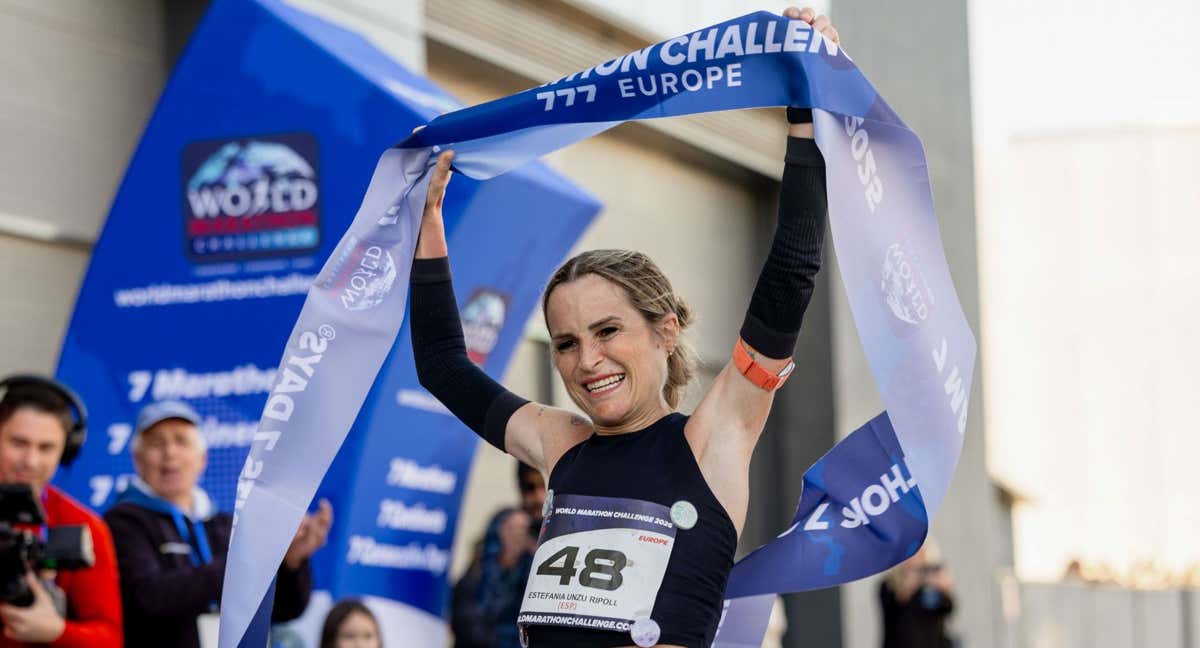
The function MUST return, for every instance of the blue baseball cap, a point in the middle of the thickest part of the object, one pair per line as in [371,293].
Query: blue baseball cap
[156,413]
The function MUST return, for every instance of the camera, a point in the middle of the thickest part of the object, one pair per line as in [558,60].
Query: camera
[23,550]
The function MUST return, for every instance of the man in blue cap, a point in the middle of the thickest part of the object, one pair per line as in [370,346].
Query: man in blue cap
[171,544]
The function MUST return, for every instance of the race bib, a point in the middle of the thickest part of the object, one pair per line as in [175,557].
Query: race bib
[599,563]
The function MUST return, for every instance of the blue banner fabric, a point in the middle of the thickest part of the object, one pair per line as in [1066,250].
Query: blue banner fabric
[879,487]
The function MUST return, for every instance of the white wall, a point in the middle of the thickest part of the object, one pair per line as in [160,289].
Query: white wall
[1089,268]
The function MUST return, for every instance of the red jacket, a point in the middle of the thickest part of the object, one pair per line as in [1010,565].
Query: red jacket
[93,594]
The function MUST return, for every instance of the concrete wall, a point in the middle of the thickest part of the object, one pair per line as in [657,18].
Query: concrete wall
[926,79]
[79,79]
[1191,618]
[1085,616]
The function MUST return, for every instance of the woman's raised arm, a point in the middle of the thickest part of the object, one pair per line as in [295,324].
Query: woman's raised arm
[729,420]
[500,417]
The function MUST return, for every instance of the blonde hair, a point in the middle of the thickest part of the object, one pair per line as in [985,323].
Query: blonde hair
[650,292]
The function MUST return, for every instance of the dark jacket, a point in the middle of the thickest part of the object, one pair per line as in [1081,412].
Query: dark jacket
[918,623]
[163,593]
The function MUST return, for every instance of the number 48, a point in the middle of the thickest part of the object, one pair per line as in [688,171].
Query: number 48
[602,568]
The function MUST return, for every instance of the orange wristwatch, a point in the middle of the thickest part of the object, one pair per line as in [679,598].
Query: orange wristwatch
[754,372]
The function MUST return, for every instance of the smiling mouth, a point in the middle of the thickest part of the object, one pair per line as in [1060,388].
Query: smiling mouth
[604,385]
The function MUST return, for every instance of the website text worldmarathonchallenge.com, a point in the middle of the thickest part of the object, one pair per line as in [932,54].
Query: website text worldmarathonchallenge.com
[213,291]
[595,623]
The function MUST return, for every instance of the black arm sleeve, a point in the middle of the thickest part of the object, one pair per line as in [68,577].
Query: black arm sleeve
[785,285]
[441,356]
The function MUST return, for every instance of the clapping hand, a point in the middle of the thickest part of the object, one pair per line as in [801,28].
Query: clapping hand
[312,534]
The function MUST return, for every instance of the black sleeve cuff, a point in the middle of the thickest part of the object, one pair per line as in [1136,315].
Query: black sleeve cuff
[803,151]
[496,422]
[766,340]
[799,115]
[430,270]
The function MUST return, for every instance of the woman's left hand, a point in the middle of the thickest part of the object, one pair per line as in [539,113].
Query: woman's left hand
[431,243]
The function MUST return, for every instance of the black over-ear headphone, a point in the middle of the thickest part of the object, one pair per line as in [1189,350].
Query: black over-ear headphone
[77,433]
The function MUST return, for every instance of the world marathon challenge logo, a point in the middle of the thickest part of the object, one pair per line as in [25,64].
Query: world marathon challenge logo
[251,197]
[483,317]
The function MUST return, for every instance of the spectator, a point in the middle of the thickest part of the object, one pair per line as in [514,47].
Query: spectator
[917,597]
[171,544]
[1074,572]
[486,600]
[533,495]
[43,424]
[350,624]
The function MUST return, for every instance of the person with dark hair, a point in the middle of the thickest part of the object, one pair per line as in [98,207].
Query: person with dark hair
[646,504]
[42,424]
[532,489]
[172,543]
[350,624]
[486,599]
[917,597]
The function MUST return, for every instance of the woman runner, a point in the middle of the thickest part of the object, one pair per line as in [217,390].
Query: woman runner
[616,333]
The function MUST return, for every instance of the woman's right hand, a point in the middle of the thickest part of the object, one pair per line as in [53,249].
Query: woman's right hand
[821,24]
[432,243]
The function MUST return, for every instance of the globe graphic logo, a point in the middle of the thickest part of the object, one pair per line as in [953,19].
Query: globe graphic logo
[903,287]
[243,164]
[251,198]
[372,281]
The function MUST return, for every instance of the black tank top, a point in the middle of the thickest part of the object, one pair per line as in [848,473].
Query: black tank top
[656,465]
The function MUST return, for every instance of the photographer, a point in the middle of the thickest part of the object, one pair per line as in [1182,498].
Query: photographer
[42,424]
[172,544]
[917,597]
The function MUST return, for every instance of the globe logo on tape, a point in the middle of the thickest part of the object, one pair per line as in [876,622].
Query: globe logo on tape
[251,197]
[360,273]
[904,289]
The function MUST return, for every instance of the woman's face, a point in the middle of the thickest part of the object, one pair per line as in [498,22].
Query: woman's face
[358,631]
[611,360]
